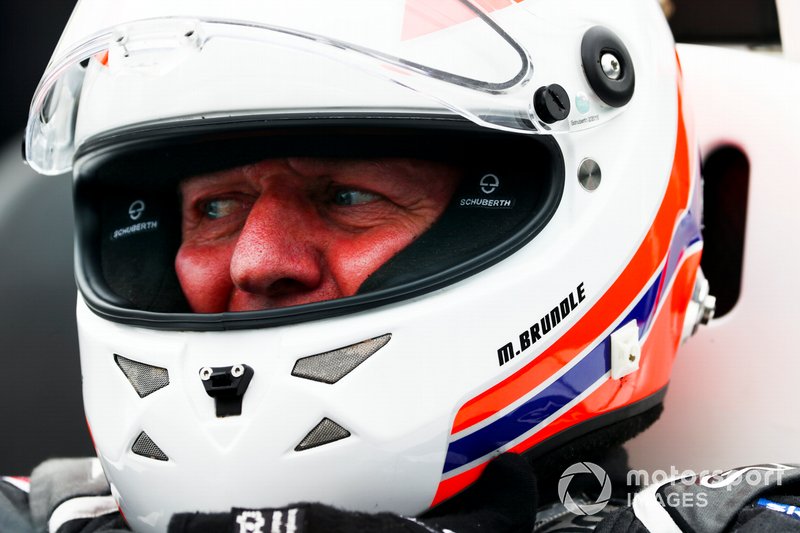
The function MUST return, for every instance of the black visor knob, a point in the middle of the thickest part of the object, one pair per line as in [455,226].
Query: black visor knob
[551,103]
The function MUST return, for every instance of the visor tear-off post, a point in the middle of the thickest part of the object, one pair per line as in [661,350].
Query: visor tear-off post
[227,385]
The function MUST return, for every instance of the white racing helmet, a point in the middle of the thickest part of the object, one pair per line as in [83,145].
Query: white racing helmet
[543,303]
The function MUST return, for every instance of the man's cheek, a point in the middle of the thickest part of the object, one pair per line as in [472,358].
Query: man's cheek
[204,275]
[353,261]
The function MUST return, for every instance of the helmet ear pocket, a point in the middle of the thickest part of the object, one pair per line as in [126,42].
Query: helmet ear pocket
[139,233]
[500,201]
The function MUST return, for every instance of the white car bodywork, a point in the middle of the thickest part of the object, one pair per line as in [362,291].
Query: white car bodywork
[734,385]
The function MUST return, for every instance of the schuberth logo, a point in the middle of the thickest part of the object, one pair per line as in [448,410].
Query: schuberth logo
[489,184]
[136,209]
[135,212]
[500,203]
[543,326]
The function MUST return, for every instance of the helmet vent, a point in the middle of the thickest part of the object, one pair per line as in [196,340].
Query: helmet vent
[145,379]
[330,367]
[145,447]
[325,432]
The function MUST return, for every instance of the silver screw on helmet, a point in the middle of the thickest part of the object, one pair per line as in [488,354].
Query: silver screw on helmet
[611,66]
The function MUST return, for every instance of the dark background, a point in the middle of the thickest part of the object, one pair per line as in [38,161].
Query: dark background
[40,398]
[40,404]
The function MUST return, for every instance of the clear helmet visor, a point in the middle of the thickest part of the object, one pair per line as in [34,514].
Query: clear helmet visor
[145,60]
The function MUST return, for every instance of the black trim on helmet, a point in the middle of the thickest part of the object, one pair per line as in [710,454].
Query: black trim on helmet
[102,164]
[572,435]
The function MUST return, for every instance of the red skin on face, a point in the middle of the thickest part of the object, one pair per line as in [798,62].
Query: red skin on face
[293,231]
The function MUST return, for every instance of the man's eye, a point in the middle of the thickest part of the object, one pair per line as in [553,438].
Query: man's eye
[354,197]
[220,207]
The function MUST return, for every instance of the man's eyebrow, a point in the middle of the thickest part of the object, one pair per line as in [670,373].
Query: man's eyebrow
[318,165]
[212,178]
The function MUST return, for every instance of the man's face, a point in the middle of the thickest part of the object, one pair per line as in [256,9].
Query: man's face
[299,230]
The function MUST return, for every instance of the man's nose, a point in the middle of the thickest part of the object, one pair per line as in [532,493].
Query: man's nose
[275,253]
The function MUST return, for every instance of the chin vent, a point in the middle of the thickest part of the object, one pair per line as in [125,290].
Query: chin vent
[145,379]
[330,367]
[325,432]
[145,447]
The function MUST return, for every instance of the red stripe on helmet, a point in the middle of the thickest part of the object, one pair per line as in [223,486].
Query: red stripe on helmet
[451,486]
[422,17]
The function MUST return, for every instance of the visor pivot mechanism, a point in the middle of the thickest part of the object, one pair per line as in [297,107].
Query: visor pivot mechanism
[227,385]
[608,66]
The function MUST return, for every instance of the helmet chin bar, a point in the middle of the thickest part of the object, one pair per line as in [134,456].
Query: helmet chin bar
[227,385]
